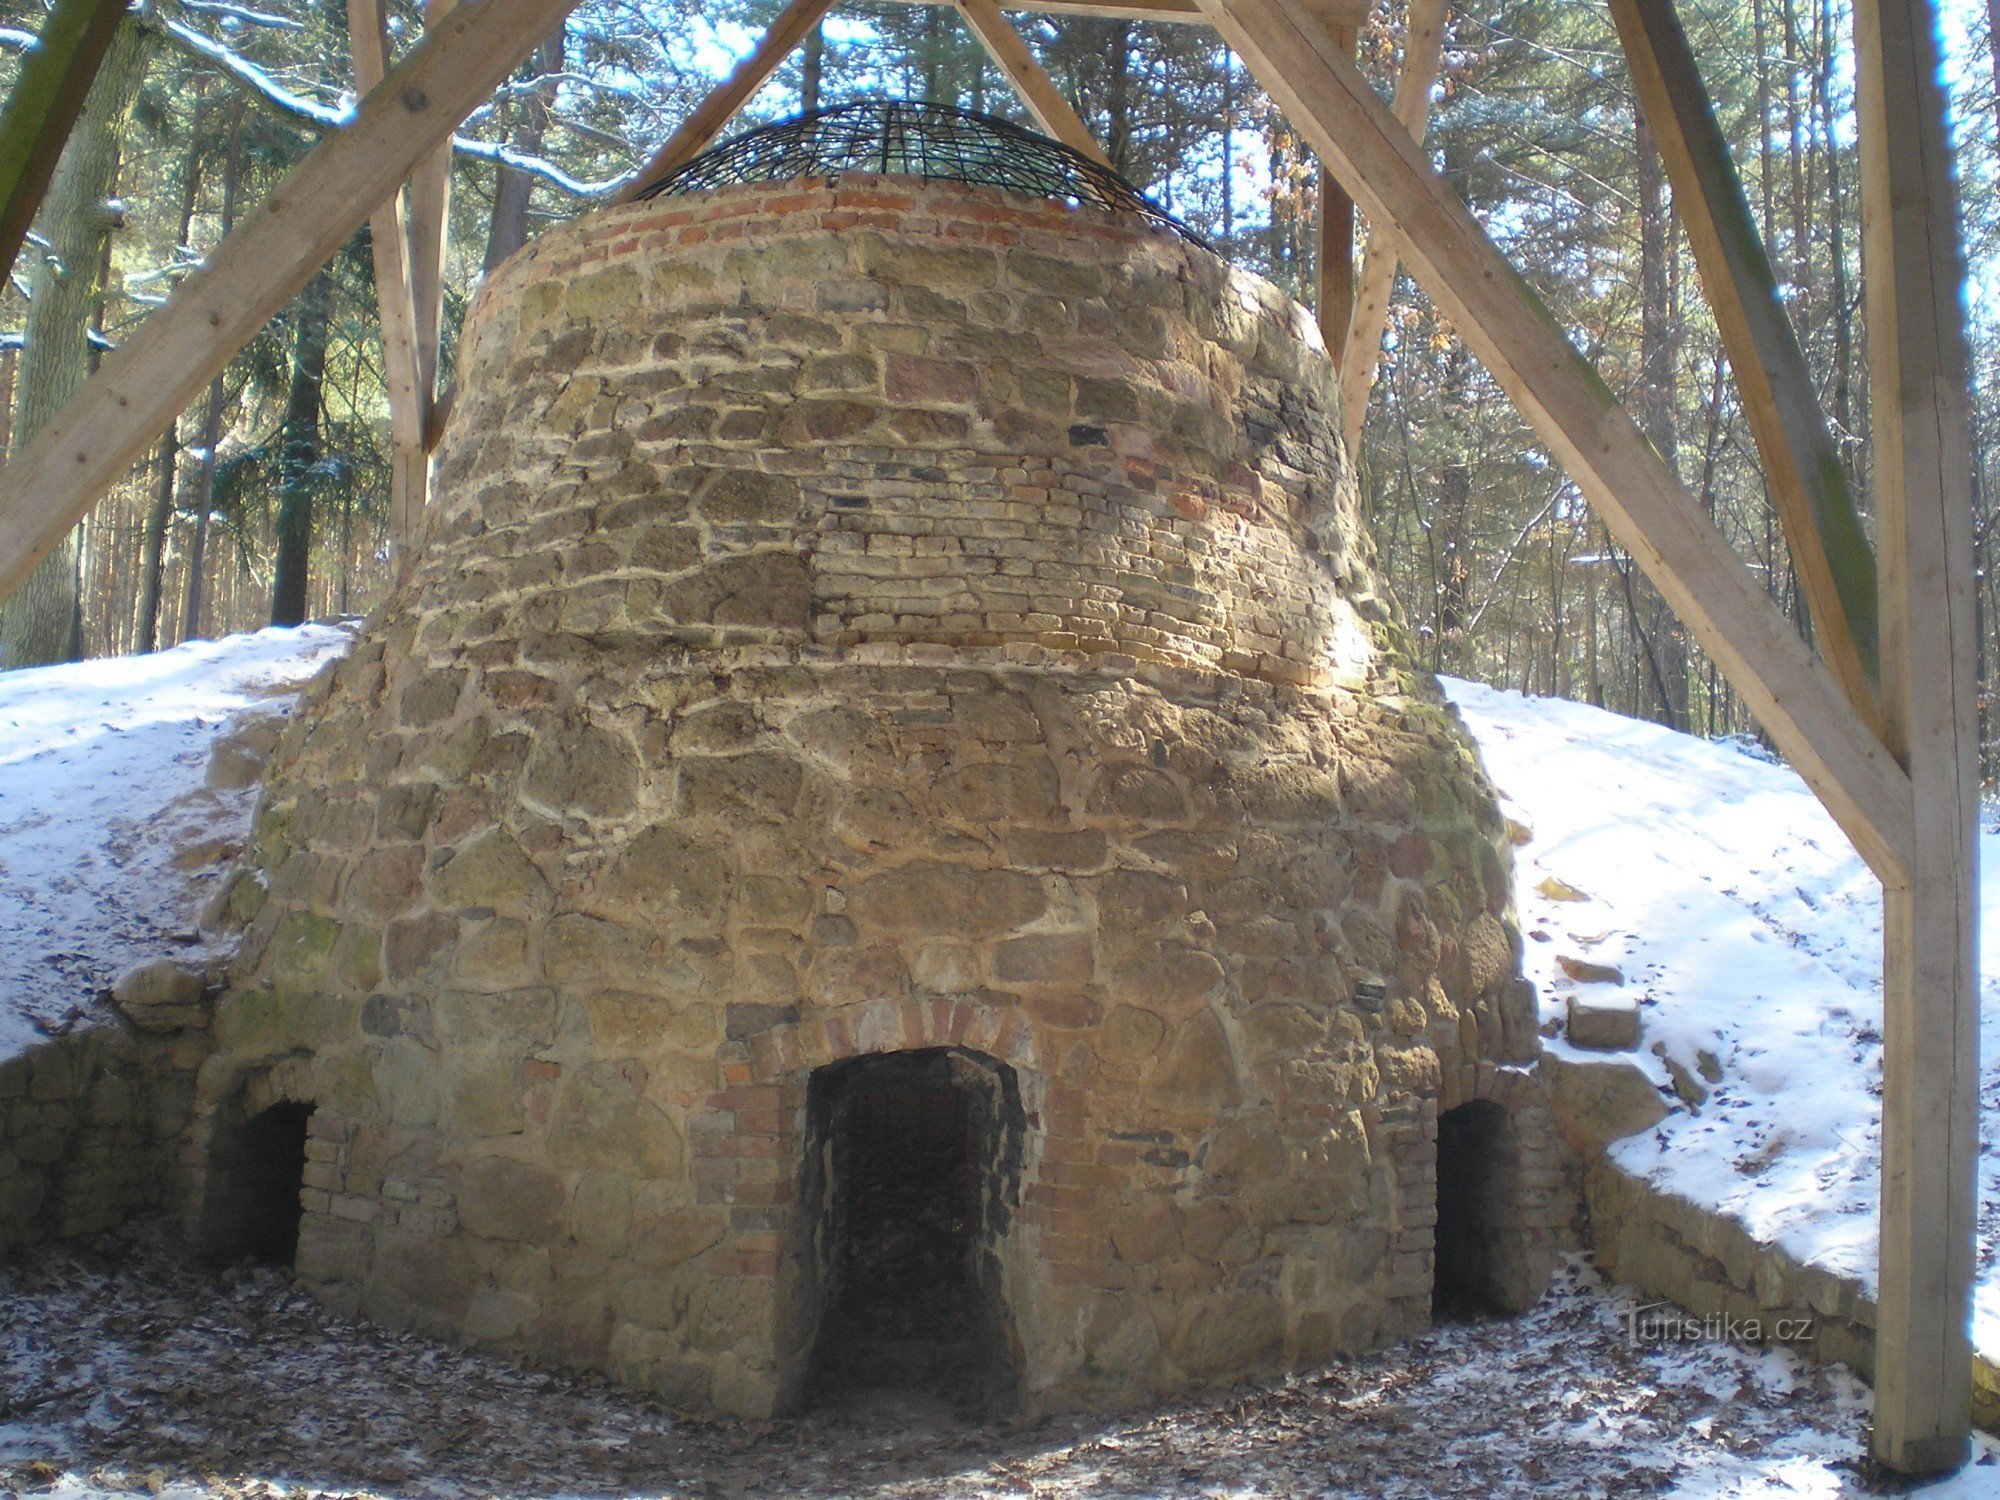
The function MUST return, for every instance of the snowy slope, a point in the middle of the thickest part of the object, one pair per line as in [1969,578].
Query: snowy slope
[1752,933]
[102,765]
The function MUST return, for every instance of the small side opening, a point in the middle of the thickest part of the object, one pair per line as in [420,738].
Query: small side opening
[911,1175]
[1478,1178]
[252,1208]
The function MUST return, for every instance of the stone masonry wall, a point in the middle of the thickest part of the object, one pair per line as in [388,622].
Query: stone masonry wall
[871,616]
[947,415]
[90,1129]
[1704,1262]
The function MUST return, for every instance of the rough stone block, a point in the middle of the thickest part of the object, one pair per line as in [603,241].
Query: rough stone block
[1603,1022]
[162,995]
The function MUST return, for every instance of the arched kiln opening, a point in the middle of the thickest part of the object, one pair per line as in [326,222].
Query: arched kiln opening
[256,1173]
[912,1175]
[1479,1238]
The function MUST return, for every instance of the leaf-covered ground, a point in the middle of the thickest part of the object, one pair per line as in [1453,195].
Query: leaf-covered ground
[125,1370]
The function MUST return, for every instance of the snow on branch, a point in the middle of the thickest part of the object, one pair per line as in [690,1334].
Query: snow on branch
[254,78]
[538,166]
[244,14]
[321,117]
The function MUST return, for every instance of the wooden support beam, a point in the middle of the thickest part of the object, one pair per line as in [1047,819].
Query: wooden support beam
[1009,51]
[1335,311]
[440,418]
[713,114]
[402,370]
[55,78]
[142,386]
[1334,304]
[1829,548]
[1582,424]
[1919,379]
[1361,356]
[430,219]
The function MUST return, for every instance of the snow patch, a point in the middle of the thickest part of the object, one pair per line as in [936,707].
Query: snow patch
[1751,934]
[102,767]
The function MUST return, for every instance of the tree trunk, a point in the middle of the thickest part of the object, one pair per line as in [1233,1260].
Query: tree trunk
[298,450]
[1842,312]
[1796,153]
[1118,99]
[513,189]
[153,543]
[812,64]
[1659,349]
[1993,50]
[1593,692]
[1766,152]
[1229,152]
[211,421]
[931,57]
[1453,512]
[10,369]
[43,621]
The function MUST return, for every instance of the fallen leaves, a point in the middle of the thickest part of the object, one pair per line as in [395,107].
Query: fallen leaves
[133,1371]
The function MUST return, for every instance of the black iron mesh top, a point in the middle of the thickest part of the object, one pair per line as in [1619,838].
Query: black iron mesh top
[914,140]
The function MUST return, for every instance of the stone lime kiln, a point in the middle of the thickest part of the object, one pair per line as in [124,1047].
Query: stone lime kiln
[888,835]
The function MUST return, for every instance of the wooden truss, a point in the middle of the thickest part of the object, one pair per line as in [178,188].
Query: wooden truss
[1880,721]
[48,97]
[407,230]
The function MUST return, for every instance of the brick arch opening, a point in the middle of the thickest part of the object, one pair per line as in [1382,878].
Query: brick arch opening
[252,1203]
[910,1175]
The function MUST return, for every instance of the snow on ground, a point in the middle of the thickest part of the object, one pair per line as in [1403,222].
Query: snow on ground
[125,1372]
[102,765]
[1752,934]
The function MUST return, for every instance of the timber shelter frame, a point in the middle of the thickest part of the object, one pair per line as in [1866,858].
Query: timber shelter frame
[1880,719]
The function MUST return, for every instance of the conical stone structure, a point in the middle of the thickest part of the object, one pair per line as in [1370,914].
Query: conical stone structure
[889,833]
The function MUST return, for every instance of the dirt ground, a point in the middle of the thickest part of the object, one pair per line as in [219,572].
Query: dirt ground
[125,1370]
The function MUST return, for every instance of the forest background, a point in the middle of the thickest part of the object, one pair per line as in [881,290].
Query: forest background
[269,501]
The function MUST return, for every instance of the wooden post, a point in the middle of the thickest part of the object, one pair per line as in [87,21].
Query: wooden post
[1836,565]
[1919,377]
[430,223]
[1335,310]
[428,196]
[143,385]
[1423,49]
[1577,418]
[55,78]
[713,114]
[1009,51]
[402,370]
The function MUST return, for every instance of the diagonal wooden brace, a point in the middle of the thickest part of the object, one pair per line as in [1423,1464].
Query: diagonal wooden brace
[1010,54]
[1423,48]
[121,411]
[712,116]
[43,108]
[1836,565]
[1576,416]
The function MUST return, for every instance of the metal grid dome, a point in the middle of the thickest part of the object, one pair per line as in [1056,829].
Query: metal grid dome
[935,141]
